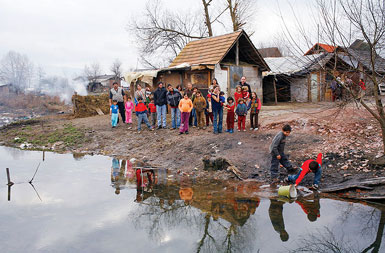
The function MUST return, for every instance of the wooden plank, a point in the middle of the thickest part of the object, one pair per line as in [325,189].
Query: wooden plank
[362,184]
[275,91]
[99,111]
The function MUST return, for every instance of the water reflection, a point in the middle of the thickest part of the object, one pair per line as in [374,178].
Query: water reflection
[311,206]
[329,240]
[160,210]
[276,218]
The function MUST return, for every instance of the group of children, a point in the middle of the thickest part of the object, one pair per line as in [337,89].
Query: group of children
[238,108]
[201,109]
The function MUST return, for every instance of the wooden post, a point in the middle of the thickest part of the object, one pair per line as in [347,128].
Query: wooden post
[237,53]
[275,91]
[9,178]
[9,192]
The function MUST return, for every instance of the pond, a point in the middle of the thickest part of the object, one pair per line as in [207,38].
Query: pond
[101,204]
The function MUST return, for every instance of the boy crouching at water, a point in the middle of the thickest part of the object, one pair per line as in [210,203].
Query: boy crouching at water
[307,167]
[114,110]
[277,153]
[141,113]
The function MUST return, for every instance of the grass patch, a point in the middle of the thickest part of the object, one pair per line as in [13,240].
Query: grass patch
[18,123]
[70,135]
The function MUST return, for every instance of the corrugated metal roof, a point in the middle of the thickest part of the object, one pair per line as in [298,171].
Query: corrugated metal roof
[290,65]
[208,51]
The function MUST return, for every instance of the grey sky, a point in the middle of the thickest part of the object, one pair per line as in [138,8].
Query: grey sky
[63,36]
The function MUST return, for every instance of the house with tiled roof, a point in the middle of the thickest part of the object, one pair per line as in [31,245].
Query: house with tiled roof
[226,57]
[319,48]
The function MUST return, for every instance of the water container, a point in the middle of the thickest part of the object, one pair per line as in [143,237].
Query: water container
[288,191]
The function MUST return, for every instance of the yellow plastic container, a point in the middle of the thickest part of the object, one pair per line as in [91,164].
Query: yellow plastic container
[288,191]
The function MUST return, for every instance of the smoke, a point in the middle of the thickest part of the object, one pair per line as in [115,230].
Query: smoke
[61,87]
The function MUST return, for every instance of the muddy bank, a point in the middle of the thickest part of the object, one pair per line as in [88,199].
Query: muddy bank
[348,140]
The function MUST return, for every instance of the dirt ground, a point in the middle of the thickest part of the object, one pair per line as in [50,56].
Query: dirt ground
[348,138]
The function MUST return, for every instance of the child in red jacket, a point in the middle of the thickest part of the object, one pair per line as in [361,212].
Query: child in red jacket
[141,112]
[307,167]
[152,108]
[230,115]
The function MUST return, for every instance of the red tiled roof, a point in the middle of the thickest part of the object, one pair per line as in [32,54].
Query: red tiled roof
[327,48]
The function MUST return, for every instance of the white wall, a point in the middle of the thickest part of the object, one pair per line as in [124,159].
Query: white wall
[254,78]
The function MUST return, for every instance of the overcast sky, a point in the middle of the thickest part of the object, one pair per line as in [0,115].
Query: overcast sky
[63,36]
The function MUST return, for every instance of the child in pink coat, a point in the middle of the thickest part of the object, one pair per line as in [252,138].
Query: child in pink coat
[129,106]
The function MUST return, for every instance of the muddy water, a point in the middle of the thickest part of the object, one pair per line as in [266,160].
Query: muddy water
[101,204]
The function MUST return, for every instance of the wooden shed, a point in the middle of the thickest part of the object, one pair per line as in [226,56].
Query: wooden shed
[303,78]
[226,57]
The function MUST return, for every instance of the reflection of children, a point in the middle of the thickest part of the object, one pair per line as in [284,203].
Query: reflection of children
[310,207]
[254,106]
[114,109]
[230,115]
[118,178]
[276,218]
[129,106]
[277,153]
[241,111]
[114,170]
[307,167]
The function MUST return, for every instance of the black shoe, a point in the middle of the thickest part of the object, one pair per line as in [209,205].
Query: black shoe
[186,132]
[180,133]
[159,127]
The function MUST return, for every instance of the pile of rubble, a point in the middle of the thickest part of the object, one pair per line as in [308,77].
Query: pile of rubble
[85,106]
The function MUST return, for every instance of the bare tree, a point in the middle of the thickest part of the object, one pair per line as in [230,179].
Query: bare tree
[206,4]
[241,13]
[339,23]
[366,19]
[163,32]
[16,69]
[116,69]
[92,72]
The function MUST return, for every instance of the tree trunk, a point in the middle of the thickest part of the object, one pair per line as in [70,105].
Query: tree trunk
[207,16]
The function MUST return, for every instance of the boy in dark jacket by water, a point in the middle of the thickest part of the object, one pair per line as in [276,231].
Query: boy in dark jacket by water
[141,112]
[277,153]
[307,167]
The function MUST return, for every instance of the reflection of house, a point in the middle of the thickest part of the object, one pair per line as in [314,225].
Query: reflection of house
[226,57]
